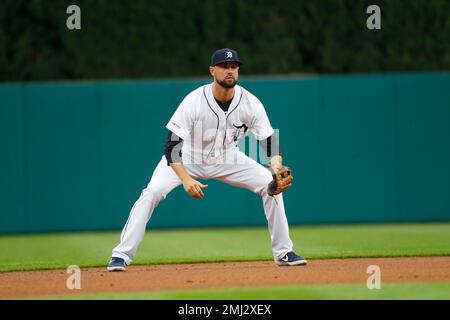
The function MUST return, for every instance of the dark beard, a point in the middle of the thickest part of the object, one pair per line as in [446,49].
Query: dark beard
[227,85]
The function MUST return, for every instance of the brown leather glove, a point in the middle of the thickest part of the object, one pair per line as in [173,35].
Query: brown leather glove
[282,179]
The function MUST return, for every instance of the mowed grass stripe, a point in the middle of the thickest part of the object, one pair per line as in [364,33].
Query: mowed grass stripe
[391,291]
[89,249]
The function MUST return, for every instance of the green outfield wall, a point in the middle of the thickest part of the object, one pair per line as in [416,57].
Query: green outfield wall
[363,148]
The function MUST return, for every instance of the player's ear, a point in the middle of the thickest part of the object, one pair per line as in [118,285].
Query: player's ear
[212,70]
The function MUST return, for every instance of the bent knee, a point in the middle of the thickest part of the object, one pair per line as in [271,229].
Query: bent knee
[263,183]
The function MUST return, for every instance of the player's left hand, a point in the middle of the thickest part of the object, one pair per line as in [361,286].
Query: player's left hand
[282,176]
[282,179]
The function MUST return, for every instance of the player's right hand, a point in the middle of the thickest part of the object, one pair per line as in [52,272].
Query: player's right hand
[194,188]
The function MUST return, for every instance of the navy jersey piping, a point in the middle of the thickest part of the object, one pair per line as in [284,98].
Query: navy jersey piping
[226,119]
[217,128]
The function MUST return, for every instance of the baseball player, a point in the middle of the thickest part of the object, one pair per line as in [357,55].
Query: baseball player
[202,144]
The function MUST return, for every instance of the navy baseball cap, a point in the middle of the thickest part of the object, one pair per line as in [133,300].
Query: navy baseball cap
[224,55]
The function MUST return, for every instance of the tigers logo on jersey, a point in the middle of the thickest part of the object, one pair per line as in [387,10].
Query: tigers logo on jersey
[239,132]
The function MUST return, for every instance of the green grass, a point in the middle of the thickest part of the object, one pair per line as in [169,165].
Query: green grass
[49,251]
[389,291]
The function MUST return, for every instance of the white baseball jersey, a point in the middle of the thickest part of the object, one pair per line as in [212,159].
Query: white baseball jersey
[208,132]
[209,135]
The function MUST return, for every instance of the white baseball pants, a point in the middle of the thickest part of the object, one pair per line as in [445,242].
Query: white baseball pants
[247,173]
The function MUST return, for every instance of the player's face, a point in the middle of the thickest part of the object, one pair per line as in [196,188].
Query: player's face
[226,74]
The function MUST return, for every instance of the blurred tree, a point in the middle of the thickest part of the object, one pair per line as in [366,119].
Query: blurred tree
[157,38]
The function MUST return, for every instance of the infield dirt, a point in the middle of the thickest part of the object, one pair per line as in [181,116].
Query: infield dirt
[222,275]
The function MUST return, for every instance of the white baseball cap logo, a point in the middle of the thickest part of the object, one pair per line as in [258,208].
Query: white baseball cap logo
[229,54]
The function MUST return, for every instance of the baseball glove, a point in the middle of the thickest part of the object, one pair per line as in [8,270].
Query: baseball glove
[282,179]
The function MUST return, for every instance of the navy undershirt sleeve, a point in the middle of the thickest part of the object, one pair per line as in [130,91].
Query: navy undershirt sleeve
[172,148]
[270,146]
